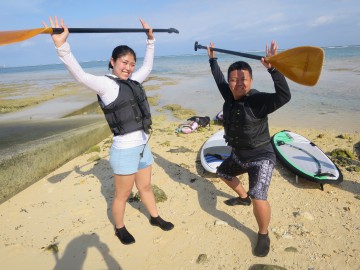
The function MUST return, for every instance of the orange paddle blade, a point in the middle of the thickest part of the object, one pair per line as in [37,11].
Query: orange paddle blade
[8,37]
[301,64]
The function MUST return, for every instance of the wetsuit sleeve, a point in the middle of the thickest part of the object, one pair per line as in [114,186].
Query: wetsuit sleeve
[143,72]
[99,84]
[220,81]
[265,103]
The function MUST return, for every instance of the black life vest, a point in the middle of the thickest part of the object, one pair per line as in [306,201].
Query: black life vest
[130,111]
[242,129]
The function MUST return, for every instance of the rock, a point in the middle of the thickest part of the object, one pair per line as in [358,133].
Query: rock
[202,258]
[220,223]
[291,249]
[307,216]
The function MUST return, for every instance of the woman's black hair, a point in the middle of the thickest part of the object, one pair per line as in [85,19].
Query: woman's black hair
[240,65]
[120,51]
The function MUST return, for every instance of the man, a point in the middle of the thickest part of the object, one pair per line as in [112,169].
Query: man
[246,128]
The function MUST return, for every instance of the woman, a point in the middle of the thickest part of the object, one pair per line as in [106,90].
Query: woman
[126,109]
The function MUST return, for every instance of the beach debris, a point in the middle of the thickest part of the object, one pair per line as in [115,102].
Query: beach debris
[220,223]
[266,267]
[291,231]
[157,240]
[305,215]
[53,248]
[344,136]
[18,227]
[166,143]
[181,149]
[202,258]
[134,197]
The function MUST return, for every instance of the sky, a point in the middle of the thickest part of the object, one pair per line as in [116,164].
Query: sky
[230,24]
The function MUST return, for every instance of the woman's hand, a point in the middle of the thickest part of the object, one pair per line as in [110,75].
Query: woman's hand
[211,53]
[149,33]
[270,52]
[59,39]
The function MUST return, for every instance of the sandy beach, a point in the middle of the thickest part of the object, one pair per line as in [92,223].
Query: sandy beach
[63,221]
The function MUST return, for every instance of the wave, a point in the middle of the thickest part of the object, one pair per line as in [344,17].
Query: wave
[342,47]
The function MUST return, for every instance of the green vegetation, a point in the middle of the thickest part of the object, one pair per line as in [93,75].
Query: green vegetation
[92,149]
[179,112]
[160,195]
[153,101]
[10,105]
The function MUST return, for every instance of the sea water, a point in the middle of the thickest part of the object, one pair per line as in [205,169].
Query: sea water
[333,103]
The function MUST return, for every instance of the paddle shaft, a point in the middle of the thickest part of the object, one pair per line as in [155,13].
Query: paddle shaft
[247,55]
[112,30]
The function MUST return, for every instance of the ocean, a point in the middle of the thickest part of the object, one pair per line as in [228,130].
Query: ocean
[332,104]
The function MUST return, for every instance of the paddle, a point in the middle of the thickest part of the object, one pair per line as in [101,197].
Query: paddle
[8,37]
[301,64]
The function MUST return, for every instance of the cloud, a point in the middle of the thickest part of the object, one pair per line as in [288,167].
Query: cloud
[322,20]
[26,43]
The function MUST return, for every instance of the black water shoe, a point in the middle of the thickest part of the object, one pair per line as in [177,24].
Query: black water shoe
[238,201]
[262,246]
[124,236]
[164,225]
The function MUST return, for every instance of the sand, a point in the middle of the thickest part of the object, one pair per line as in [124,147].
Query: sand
[63,221]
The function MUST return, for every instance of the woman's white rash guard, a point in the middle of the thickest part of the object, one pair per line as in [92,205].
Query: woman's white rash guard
[108,89]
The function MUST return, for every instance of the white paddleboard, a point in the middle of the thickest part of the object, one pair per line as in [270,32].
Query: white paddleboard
[214,151]
[304,158]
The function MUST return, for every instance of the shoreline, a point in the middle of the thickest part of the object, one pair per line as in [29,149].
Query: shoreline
[305,228]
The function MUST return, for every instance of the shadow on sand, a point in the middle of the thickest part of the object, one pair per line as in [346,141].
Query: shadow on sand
[207,194]
[76,252]
[346,185]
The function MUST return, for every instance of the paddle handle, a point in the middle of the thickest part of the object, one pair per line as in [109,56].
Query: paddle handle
[112,30]
[247,55]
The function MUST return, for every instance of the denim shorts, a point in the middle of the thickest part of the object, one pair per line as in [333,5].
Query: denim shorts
[128,161]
